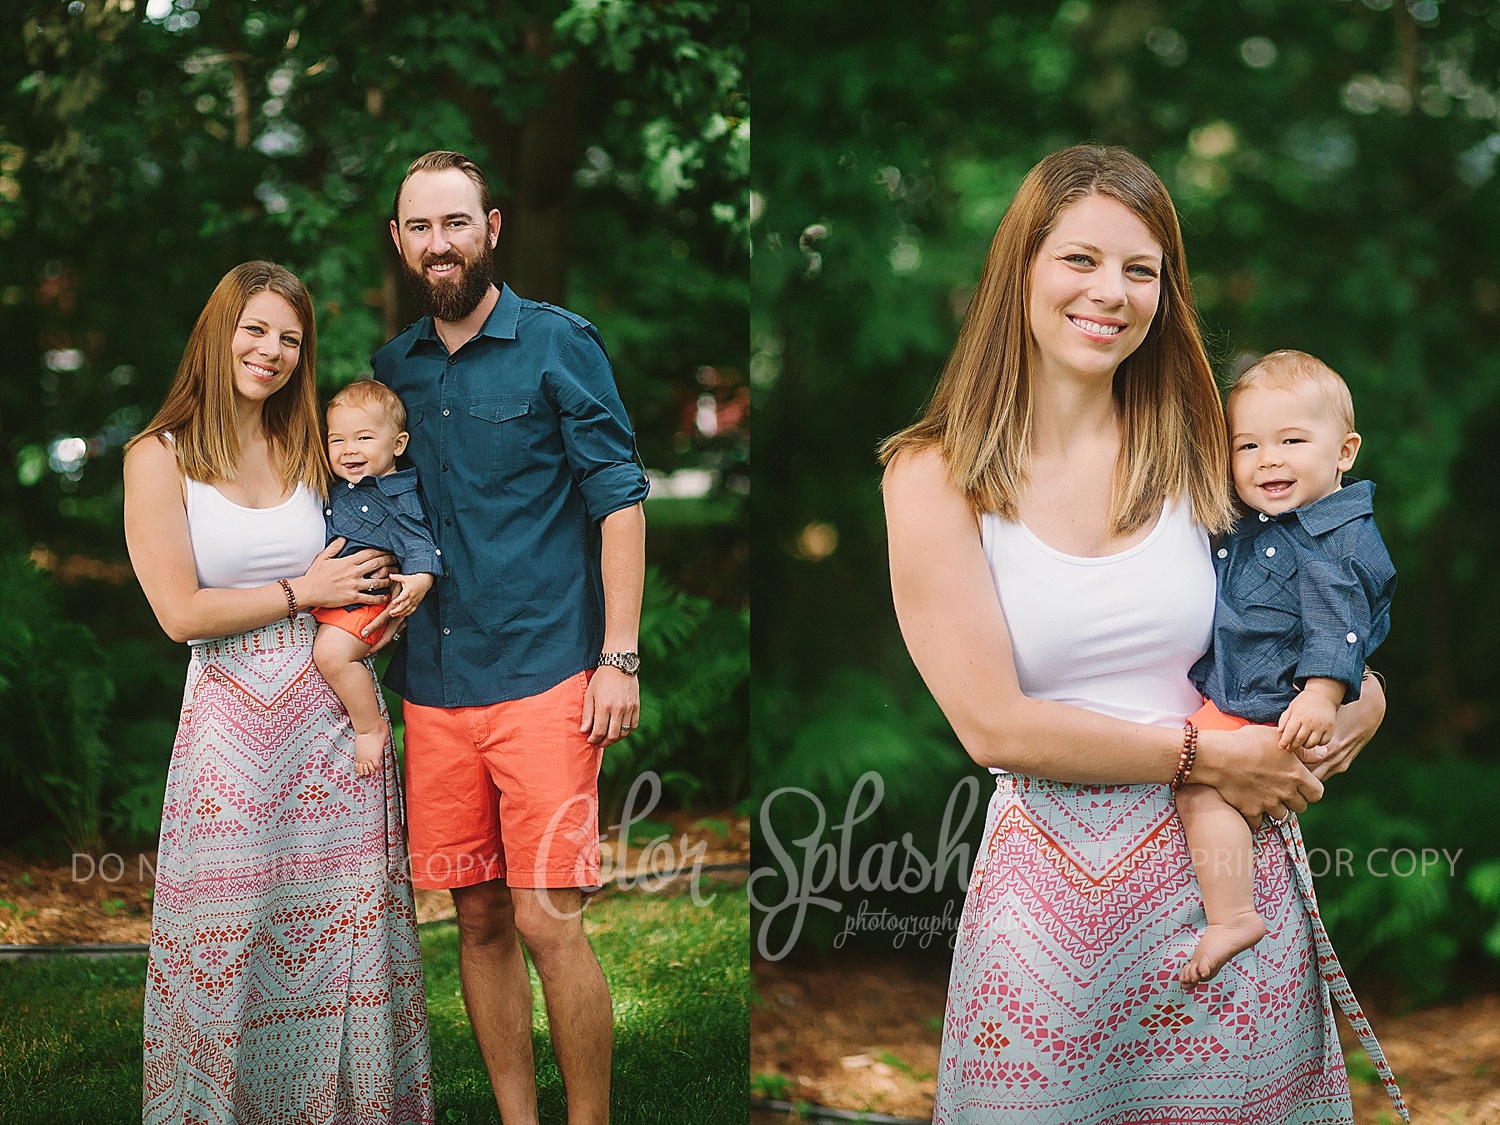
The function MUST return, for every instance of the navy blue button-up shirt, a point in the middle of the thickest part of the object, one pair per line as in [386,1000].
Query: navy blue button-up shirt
[522,446]
[1306,593]
[384,512]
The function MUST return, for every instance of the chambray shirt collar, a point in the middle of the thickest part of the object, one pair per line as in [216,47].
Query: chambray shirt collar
[499,325]
[1320,517]
[392,484]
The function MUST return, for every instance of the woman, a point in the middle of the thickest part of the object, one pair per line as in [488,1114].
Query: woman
[1049,520]
[285,980]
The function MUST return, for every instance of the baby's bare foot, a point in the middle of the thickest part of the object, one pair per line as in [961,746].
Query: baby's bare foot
[368,750]
[1218,944]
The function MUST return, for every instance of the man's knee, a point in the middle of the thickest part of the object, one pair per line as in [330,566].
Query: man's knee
[549,921]
[486,913]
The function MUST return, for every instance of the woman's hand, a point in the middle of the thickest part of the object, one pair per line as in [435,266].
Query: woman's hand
[1254,774]
[1356,724]
[331,581]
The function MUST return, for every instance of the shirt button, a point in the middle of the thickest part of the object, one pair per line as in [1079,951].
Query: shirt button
[446,413]
[328,511]
[1351,637]
[1223,553]
[1263,517]
[447,523]
[445,468]
[451,361]
[1270,552]
[447,631]
[351,484]
[437,551]
[364,507]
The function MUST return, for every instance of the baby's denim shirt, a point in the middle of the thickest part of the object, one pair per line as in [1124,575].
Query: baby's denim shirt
[385,513]
[1306,593]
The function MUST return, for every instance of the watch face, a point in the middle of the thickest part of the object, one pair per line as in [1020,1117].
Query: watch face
[631,662]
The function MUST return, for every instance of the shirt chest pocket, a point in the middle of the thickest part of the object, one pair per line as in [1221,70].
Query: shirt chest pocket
[1270,579]
[365,520]
[497,424]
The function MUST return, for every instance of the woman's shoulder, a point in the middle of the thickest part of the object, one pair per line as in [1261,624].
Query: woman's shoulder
[918,469]
[153,454]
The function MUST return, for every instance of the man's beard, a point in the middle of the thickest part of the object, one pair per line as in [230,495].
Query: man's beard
[453,297]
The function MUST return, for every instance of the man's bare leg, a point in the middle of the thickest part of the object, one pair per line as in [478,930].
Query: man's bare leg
[578,1003]
[497,995]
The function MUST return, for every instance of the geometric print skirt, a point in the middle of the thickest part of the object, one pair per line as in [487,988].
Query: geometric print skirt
[285,980]
[1064,1006]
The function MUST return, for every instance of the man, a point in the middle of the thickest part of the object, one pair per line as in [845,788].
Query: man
[519,668]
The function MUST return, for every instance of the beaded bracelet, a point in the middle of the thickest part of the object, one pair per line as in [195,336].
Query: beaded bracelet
[1188,756]
[291,599]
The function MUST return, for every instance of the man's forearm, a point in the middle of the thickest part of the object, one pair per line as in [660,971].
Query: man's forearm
[623,565]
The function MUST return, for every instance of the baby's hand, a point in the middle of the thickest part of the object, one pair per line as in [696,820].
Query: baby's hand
[1307,721]
[413,588]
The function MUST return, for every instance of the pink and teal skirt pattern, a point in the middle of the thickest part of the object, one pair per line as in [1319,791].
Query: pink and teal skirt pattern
[1064,1006]
[285,980]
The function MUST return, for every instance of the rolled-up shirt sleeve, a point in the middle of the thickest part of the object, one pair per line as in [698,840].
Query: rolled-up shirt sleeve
[416,550]
[1336,628]
[596,434]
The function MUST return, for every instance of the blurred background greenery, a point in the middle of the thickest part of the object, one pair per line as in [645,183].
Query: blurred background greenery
[1333,165]
[146,146]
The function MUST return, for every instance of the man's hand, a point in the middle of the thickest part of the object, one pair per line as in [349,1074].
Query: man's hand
[1308,721]
[611,706]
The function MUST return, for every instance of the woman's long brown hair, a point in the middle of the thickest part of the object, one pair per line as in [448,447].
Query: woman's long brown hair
[1173,439]
[199,408]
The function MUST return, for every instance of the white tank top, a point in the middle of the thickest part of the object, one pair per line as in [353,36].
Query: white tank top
[1115,634]
[237,548]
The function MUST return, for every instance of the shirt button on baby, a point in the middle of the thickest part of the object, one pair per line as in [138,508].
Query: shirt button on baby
[1351,637]
[1223,553]
[364,507]
[1263,517]
[1270,552]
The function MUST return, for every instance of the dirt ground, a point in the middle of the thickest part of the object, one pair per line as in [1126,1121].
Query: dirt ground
[865,1036]
[108,898]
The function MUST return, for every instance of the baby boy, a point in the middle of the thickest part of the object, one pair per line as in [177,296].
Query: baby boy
[1304,594]
[372,505]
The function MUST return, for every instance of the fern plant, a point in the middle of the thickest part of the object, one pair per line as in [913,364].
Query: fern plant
[695,670]
[57,695]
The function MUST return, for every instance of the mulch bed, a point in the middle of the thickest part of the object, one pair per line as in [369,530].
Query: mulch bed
[865,1034]
[108,898]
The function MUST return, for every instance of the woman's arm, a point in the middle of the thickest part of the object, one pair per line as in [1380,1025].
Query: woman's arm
[156,533]
[954,627]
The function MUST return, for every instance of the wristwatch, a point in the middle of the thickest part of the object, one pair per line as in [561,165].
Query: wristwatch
[627,662]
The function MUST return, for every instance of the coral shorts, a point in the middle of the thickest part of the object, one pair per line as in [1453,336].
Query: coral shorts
[1209,717]
[350,620]
[506,790]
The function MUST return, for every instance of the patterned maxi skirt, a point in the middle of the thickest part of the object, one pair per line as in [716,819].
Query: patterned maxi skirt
[1064,1006]
[285,981]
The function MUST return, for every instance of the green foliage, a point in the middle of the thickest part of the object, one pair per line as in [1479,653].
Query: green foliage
[695,671]
[56,695]
[1334,169]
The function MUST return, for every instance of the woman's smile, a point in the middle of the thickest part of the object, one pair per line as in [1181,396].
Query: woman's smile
[1095,288]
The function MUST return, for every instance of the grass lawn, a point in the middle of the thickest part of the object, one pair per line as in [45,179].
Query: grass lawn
[70,1028]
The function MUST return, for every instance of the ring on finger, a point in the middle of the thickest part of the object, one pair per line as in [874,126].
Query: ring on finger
[1279,821]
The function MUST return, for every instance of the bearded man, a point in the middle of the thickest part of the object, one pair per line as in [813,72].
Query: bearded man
[519,668]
